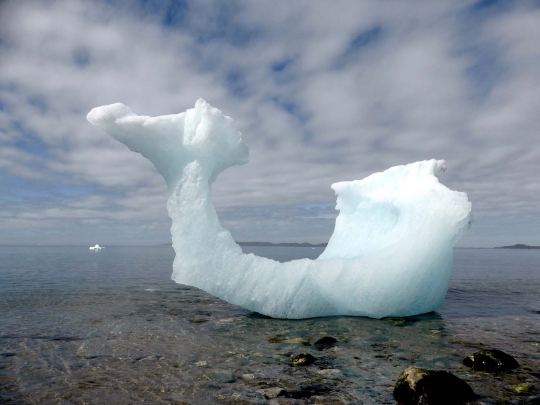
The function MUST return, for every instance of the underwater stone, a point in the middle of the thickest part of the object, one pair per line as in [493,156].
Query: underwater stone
[325,342]
[307,391]
[270,392]
[302,359]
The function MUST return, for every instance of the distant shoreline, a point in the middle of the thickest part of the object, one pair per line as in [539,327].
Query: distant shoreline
[518,246]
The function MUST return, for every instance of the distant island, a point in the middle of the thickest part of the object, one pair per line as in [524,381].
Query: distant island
[518,246]
[281,244]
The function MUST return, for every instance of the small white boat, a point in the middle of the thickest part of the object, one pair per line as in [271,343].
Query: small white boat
[97,247]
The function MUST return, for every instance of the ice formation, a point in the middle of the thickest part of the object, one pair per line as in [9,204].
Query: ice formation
[391,253]
[96,248]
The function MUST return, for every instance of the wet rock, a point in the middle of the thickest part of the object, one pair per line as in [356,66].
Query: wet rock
[431,387]
[275,339]
[491,361]
[271,392]
[251,398]
[402,321]
[331,373]
[302,359]
[533,401]
[307,391]
[522,389]
[223,376]
[297,340]
[378,347]
[198,319]
[256,315]
[326,400]
[150,358]
[325,342]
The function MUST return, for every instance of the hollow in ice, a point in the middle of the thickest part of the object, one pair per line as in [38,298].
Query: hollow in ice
[391,253]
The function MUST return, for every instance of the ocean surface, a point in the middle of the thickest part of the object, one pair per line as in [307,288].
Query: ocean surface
[110,327]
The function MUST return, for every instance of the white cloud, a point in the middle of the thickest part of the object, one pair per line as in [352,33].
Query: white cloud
[316,101]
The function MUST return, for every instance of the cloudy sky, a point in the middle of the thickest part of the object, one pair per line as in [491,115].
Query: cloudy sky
[322,91]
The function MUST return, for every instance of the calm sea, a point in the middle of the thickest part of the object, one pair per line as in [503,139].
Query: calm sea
[79,326]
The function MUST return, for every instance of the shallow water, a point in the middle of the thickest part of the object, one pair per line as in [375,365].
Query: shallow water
[78,326]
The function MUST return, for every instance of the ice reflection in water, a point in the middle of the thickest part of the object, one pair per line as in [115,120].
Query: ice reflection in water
[114,329]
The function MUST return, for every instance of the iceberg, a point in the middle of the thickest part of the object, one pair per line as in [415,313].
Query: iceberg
[96,248]
[391,253]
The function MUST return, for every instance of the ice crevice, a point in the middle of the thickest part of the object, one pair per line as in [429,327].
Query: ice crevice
[391,253]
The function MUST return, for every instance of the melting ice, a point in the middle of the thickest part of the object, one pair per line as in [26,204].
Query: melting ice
[391,253]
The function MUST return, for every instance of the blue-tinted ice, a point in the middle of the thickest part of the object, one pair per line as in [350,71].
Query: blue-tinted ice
[391,253]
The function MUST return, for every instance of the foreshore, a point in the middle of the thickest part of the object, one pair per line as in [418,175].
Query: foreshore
[180,345]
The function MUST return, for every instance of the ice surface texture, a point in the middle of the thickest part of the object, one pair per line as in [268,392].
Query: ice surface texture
[391,253]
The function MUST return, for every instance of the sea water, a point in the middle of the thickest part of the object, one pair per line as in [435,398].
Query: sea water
[78,326]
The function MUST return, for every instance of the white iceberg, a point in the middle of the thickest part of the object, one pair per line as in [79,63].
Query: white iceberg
[96,247]
[391,253]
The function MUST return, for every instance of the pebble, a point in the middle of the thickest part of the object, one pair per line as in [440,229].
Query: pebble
[270,392]
[223,376]
[330,373]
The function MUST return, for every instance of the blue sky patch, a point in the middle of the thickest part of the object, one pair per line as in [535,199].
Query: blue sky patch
[32,145]
[358,43]
[81,57]
[236,84]
[292,108]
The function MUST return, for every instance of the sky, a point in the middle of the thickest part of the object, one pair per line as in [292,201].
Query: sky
[322,91]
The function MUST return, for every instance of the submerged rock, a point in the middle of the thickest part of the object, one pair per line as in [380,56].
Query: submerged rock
[416,386]
[223,376]
[270,392]
[330,373]
[302,359]
[307,391]
[522,389]
[275,339]
[490,361]
[325,342]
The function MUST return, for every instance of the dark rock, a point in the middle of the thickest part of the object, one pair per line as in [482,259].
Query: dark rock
[411,320]
[198,319]
[490,361]
[306,391]
[223,376]
[383,346]
[416,386]
[302,359]
[325,342]
[256,315]
[275,339]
